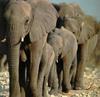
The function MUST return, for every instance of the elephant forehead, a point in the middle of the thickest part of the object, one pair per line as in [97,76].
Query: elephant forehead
[19,7]
[26,8]
[56,40]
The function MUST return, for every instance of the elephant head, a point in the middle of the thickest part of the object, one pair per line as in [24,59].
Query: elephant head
[83,27]
[70,10]
[18,15]
[87,29]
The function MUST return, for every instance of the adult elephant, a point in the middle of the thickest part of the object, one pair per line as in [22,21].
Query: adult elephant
[84,30]
[36,20]
[73,18]
[64,44]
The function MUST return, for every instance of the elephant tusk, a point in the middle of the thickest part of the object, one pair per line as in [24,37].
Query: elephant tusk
[22,39]
[4,40]
[56,61]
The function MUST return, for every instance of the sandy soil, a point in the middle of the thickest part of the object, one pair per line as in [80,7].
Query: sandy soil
[91,80]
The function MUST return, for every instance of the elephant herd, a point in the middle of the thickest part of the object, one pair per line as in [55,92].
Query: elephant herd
[45,45]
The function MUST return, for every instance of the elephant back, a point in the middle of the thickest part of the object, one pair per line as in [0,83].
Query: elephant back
[69,41]
[70,10]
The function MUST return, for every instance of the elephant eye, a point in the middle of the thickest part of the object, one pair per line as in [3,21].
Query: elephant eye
[27,21]
[73,32]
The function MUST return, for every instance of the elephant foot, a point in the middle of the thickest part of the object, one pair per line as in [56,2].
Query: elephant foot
[32,93]
[15,94]
[15,91]
[60,90]
[69,94]
[22,92]
[73,85]
[66,88]
[53,92]
[79,86]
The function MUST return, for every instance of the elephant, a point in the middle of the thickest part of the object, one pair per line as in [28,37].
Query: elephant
[35,20]
[64,44]
[3,55]
[83,27]
[86,36]
[44,70]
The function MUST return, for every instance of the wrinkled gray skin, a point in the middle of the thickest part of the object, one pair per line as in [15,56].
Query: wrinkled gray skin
[87,39]
[37,21]
[83,28]
[44,70]
[64,44]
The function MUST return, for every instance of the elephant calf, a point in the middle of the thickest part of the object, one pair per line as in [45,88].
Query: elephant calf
[44,69]
[64,44]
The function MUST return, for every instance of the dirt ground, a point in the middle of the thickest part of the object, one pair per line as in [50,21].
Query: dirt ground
[91,82]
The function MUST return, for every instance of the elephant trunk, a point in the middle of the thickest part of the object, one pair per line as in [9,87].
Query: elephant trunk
[13,61]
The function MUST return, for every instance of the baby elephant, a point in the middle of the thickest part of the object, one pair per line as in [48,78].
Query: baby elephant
[64,44]
[44,70]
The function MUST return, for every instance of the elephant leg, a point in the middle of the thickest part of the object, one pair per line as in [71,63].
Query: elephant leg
[54,79]
[73,72]
[60,77]
[66,75]
[82,53]
[2,62]
[60,74]
[13,61]
[45,87]
[85,51]
[3,55]
[36,49]
[42,70]
[48,67]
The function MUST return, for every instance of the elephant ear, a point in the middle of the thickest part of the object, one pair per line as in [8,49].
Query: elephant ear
[45,17]
[87,29]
